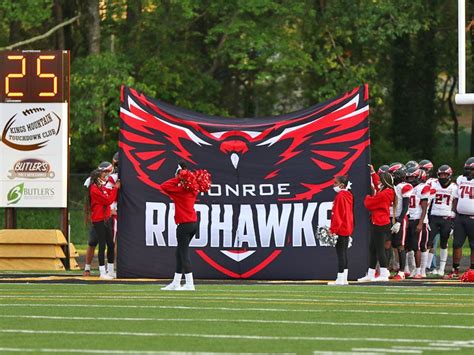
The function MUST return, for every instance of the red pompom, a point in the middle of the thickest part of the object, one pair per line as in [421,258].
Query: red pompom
[195,181]
[188,180]
[468,276]
[203,179]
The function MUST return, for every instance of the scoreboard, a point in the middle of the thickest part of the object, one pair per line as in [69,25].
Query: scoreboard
[34,128]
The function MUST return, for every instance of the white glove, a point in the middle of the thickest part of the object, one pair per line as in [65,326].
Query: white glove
[453,214]
[395,228]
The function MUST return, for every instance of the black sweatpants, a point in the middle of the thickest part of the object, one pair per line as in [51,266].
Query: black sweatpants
[103,230]
[378,236]
[441,225]
[463,228]
[184,233]
[341,250]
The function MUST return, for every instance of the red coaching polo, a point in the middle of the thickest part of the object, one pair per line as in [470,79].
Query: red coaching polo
[184,201]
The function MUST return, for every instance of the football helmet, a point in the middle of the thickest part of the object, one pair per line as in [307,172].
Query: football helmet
[427,166]
[446,170]
[412,163]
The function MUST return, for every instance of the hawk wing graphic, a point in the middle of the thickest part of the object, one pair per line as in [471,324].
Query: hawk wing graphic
[317,143]
[153,140]
[329,140]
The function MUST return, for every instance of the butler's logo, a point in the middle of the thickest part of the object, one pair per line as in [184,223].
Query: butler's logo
[31,129]
[31,169]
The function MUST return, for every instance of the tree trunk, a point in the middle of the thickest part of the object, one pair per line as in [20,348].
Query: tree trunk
[454,117]
[134,9]
[471,11]
[58,15]
[91,25]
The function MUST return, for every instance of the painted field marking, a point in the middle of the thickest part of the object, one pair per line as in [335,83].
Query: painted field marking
[430,348]
[175,296]
[224,336]
[258,321]
[386,350]
[325,292]
[235,309]
[110,351]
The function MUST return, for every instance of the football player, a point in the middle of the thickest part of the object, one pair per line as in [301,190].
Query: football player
[403,191]
[418,218]
[441,213]
[464,220]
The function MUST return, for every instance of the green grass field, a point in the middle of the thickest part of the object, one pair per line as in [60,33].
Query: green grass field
[122,319]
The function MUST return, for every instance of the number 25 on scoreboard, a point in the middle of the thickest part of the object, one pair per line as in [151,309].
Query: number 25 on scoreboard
[34,76]
[22,60]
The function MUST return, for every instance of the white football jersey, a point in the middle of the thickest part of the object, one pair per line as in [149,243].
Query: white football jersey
[402,190]
[430,183]
[465,195]
[110,185]
[420,192]
[443,199]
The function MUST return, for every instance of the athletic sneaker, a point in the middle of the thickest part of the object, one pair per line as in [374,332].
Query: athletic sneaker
[418,276]
[187,287]
[400,276]
[86,273]
[106,277]
[112,274]
[452,275]
[172,287]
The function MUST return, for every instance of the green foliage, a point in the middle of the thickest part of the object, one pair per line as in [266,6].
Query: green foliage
[95,93]
[248,58]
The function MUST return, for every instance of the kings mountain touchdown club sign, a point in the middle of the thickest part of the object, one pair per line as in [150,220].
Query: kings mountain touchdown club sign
[33,154]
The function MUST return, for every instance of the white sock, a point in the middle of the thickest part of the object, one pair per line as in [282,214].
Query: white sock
[418,270]
[371,273]
[177,278]
[411,260]
[110,268]
[430,260]
[443,257]
[189,278]
[102,269]
[346,271]
[87,267]
[423,263]
[384,272]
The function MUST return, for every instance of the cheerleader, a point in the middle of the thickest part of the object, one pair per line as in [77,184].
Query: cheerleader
[342,225]
[379,206]
[183,190]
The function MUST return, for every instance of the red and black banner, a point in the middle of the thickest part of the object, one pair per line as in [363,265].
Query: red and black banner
[272,186]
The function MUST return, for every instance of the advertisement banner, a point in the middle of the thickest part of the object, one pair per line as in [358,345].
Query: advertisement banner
[271,188]
[33,154]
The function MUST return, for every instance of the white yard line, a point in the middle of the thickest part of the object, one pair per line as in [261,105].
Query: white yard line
[160,296]
[235,309]
[387,350]
[110,351]
[430,348]
[258,321]
[321,292]
[225,336]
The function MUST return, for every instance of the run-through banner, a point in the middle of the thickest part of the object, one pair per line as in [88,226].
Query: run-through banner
[272,186]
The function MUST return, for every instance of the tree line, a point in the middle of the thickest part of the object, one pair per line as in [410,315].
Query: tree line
[249,58]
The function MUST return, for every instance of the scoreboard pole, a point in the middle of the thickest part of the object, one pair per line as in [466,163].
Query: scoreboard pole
[34,128]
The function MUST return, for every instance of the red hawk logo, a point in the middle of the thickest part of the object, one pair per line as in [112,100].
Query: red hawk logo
[317,143]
